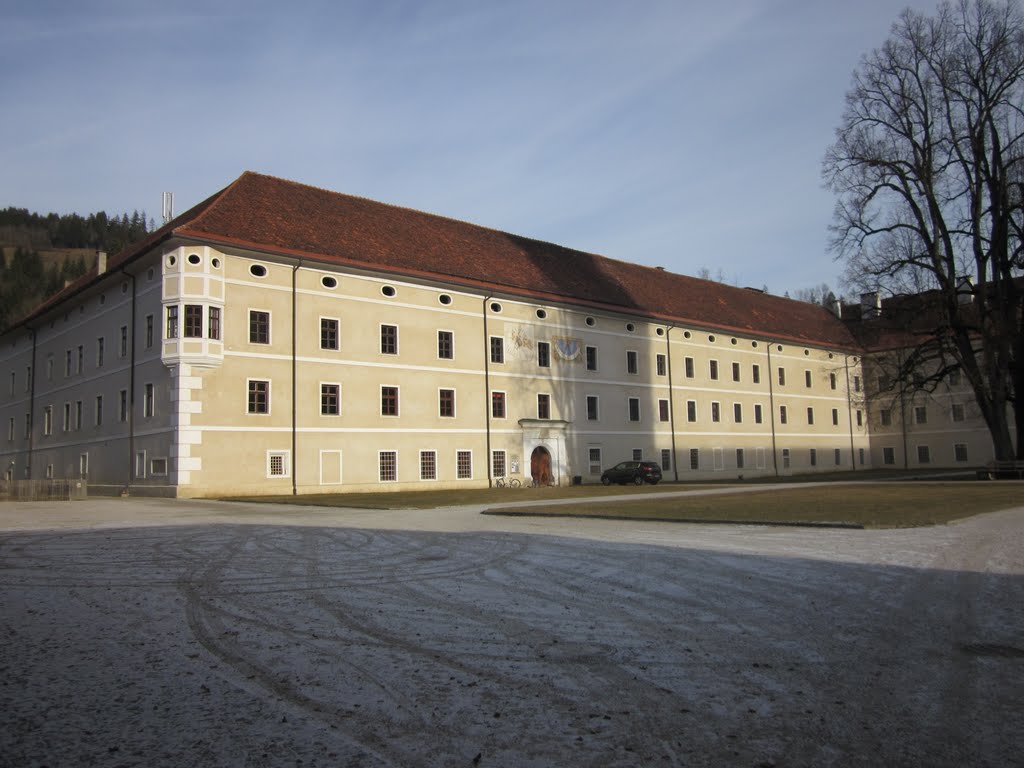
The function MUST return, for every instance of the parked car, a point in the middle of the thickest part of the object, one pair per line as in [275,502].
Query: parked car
[636,472]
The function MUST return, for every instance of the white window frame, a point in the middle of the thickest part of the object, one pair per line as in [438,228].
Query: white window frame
[504,400]
[270,400]
[597,407]
[423,453]
[270,327]
[455,402]
[398,401]
[153,471]
[437,350]
[632,361]
[380,473]
[286,456]
[504,462]
[140,465]
[593,469]
[458,452]
[337,333]
[629,410]
[328,384]
[380,339]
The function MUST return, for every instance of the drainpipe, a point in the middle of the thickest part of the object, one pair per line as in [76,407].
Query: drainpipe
[771,408]
[32,404]
[487,391]
[903,413]
[294,458]
[671,401]
[131,385]
[849,410]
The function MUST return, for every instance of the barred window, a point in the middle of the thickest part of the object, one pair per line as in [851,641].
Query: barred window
[428,465]
[695,458]
[388,466]
[464,465]
[278,464]
[498,463]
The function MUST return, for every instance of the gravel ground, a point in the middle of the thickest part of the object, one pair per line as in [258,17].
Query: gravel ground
[173,633]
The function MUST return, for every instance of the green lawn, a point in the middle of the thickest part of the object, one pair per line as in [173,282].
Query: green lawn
[869,505]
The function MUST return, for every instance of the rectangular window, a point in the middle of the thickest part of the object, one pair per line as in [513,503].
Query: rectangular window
[83,464]
[807,379]
[140,465]
[158,467]
[885,416]
[638,454]
[330,399]
[785,458]
[49,471]
[123,347]
[13,380]
[122,412]
[387,466]
[718,457]
[428,465]
[663,410]
[65,424]
[328,333]
[688,367]
[389,339]
[666,459]
[783,414]
[592,408]
[691,410]
[49,367]
[543,354]
[660,365]
[149,331]
[149,401]
[814,457]
[810,416]
[10,429]
[464,465]
[959,451]
[543,406]
[839,456]
[388,401]
[716,412]
[758,416]
[860,456]
[446,345]
[259,396]
[193,321]
[924,455]
[213,332]
[279,464]
[695,458]
[957,412]
[835,417]
[99,352]
[740,458]
[99,410]
[591,358]
[888,455]
[498,405]
[921,414]
[594,461]
[259,327]
[78,415]
[631,362]
[446,403]
[48,420]
[782,377]
[497,463]
[831,381]
[634,409]
[80,360]
[755,374]
[713,369]
[737,413]
[856,383]
[735,371]
[497,350]
[860,418]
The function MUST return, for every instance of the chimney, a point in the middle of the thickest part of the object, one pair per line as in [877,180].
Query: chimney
[870,305]
[836,308]
[101,262]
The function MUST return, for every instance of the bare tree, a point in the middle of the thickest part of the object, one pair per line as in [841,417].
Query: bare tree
[927,167]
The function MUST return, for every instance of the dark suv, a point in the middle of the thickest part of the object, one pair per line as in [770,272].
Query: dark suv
[636,472]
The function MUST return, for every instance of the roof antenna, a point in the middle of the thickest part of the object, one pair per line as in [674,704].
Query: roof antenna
[168,206]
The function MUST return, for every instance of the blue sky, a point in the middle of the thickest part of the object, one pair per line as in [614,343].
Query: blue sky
[680,134]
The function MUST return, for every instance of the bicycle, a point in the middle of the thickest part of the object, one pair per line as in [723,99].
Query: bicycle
[501,482]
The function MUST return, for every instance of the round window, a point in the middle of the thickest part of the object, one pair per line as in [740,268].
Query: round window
[541,314]
[495,306]
[388,290]
[630,327]
[591,321]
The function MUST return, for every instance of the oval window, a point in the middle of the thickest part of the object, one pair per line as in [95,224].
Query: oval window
[193,258]
[495,306]
[388,291]
[630,327]
[258,270]
[328,282]
[445,299]
[711,339]
[686,334]
[732,341]
[541,314]
[660,331]
[591,321]
[171,261]
[215,263]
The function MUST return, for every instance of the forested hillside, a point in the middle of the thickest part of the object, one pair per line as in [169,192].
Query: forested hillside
[40,253]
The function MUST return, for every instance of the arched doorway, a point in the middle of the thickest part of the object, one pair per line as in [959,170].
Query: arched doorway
[540,466]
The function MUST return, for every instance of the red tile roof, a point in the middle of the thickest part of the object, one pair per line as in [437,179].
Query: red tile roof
[270,214]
